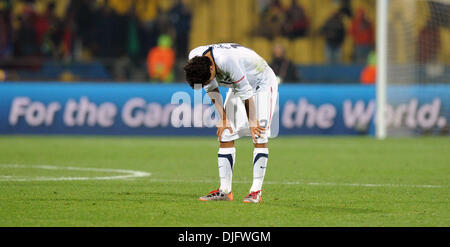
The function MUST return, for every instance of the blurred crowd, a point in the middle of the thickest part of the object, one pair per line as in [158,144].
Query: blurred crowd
[143,39]
[123,35]
[148,40]
[293,23]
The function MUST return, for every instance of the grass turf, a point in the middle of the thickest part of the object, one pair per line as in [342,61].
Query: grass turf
[310,181]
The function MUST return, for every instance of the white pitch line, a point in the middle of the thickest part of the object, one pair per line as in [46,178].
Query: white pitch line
[128,174]
[364,185]
[305,183]
[135,174]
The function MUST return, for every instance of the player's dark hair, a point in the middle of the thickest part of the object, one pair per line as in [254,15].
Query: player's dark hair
[197,70]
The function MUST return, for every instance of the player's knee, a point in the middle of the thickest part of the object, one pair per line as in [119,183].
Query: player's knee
[261,140]
[229,144]
[260,145]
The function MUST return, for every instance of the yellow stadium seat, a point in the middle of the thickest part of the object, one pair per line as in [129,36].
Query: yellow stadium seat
[200,24]
[221,20]
[121,7]
[318,53]
[302,50]
[263,47]
[444,53]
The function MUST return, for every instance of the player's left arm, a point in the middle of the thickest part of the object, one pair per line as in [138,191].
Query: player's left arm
[255,129]
[223,123]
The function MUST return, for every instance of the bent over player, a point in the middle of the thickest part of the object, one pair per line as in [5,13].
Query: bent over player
[247,111]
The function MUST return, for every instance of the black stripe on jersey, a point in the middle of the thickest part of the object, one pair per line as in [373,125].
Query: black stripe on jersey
[210,49]
[207,50]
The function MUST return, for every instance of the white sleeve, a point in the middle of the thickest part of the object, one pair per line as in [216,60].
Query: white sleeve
[196,52]
[240,82]
[211,86]
[192,54]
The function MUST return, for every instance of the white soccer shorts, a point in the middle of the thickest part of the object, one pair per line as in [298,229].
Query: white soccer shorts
[266,112]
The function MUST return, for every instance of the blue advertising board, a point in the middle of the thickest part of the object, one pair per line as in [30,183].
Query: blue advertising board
[170,110]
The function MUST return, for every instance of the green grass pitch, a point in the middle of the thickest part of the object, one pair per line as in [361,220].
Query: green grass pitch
[310,181]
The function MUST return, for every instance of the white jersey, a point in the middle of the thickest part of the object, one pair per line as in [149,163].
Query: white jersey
[238,68]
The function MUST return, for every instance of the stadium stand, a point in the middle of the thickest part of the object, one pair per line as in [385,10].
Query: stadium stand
[74,48]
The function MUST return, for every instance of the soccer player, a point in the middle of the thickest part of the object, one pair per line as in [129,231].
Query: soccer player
[247,111]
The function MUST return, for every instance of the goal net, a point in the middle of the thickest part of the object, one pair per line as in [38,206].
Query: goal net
[413,83]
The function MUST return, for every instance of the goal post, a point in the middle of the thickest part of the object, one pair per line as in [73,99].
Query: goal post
[381,51]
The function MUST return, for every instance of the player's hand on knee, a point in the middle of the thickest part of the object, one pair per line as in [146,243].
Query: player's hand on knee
[256,130]
[222,126]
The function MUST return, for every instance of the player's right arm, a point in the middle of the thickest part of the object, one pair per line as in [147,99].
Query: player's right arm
[223,122]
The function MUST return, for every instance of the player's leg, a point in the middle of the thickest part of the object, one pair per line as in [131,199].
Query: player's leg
[226,157]
[260,159]
[227,151]
[265,102]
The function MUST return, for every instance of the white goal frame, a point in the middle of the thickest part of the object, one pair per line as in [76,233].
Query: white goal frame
[381,50]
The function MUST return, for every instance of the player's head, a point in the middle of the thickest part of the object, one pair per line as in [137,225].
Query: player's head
[199,70]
